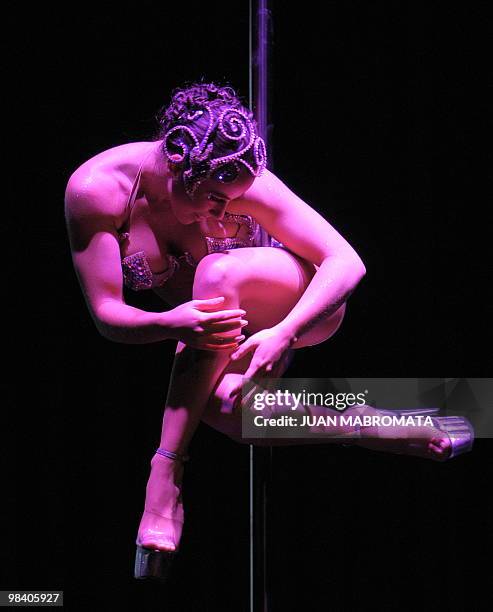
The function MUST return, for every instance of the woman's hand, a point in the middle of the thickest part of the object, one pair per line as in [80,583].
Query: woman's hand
[270,346]
[199,324]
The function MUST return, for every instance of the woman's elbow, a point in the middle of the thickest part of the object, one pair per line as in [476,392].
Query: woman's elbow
[361,268]
[358,271]
[105,328]
[354,263]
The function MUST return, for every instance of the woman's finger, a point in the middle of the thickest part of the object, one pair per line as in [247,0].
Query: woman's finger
[222,340]
[222,326]
[245,348]
[208,303]
[211,305]
[223,315]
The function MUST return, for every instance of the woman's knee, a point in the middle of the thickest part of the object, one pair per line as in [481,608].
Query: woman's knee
[217,274]
[238,277]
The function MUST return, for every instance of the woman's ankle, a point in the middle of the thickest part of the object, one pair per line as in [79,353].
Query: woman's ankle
[166,468]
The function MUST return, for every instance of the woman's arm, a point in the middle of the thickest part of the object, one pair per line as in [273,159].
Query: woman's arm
[120,322]
[329,288]
[305,232]
[90,217]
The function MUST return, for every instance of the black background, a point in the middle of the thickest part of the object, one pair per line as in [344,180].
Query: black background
[373,110]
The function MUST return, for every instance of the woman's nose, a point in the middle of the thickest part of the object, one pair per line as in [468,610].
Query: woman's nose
[218,212]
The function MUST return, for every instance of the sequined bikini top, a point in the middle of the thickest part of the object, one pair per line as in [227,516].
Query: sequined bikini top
[137,274]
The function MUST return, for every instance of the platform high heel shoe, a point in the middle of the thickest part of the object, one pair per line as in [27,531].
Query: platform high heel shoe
[154,564]
[457,429]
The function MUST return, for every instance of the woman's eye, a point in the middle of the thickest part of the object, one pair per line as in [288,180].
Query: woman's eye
[211,197]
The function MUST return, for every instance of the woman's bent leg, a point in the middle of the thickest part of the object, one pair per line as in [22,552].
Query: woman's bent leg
[324,425]
[267,283]
[244,275]
[193,377]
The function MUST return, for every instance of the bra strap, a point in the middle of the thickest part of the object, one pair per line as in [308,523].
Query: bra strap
[135,188]
[131,200]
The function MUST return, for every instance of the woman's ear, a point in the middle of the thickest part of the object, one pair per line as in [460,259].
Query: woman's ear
[175,169]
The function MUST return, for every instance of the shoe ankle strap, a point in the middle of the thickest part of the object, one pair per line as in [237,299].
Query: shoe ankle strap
[171,455]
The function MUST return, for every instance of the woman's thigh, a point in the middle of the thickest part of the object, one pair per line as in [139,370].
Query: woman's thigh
[268,282]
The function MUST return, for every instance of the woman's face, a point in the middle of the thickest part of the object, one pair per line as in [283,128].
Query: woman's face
[210,200]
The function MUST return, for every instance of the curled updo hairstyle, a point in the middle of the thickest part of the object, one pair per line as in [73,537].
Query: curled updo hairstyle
[194,97]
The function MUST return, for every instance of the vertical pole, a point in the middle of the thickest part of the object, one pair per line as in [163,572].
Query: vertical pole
[260,457]
[260,85]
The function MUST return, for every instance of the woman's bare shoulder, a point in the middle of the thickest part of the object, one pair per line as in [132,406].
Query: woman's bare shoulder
[266,190]
[102,182]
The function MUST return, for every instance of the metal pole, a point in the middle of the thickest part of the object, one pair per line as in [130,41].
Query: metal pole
[260,457]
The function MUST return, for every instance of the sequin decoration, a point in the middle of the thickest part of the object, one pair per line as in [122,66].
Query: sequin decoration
[138,275]
[215,245]
[160,278]
[136,271]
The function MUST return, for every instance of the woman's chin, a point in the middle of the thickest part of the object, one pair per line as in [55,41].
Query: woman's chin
[188,220]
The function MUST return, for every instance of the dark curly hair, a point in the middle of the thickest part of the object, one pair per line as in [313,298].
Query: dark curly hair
[194,96]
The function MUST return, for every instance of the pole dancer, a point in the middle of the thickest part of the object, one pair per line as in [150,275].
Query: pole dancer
[181,215]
